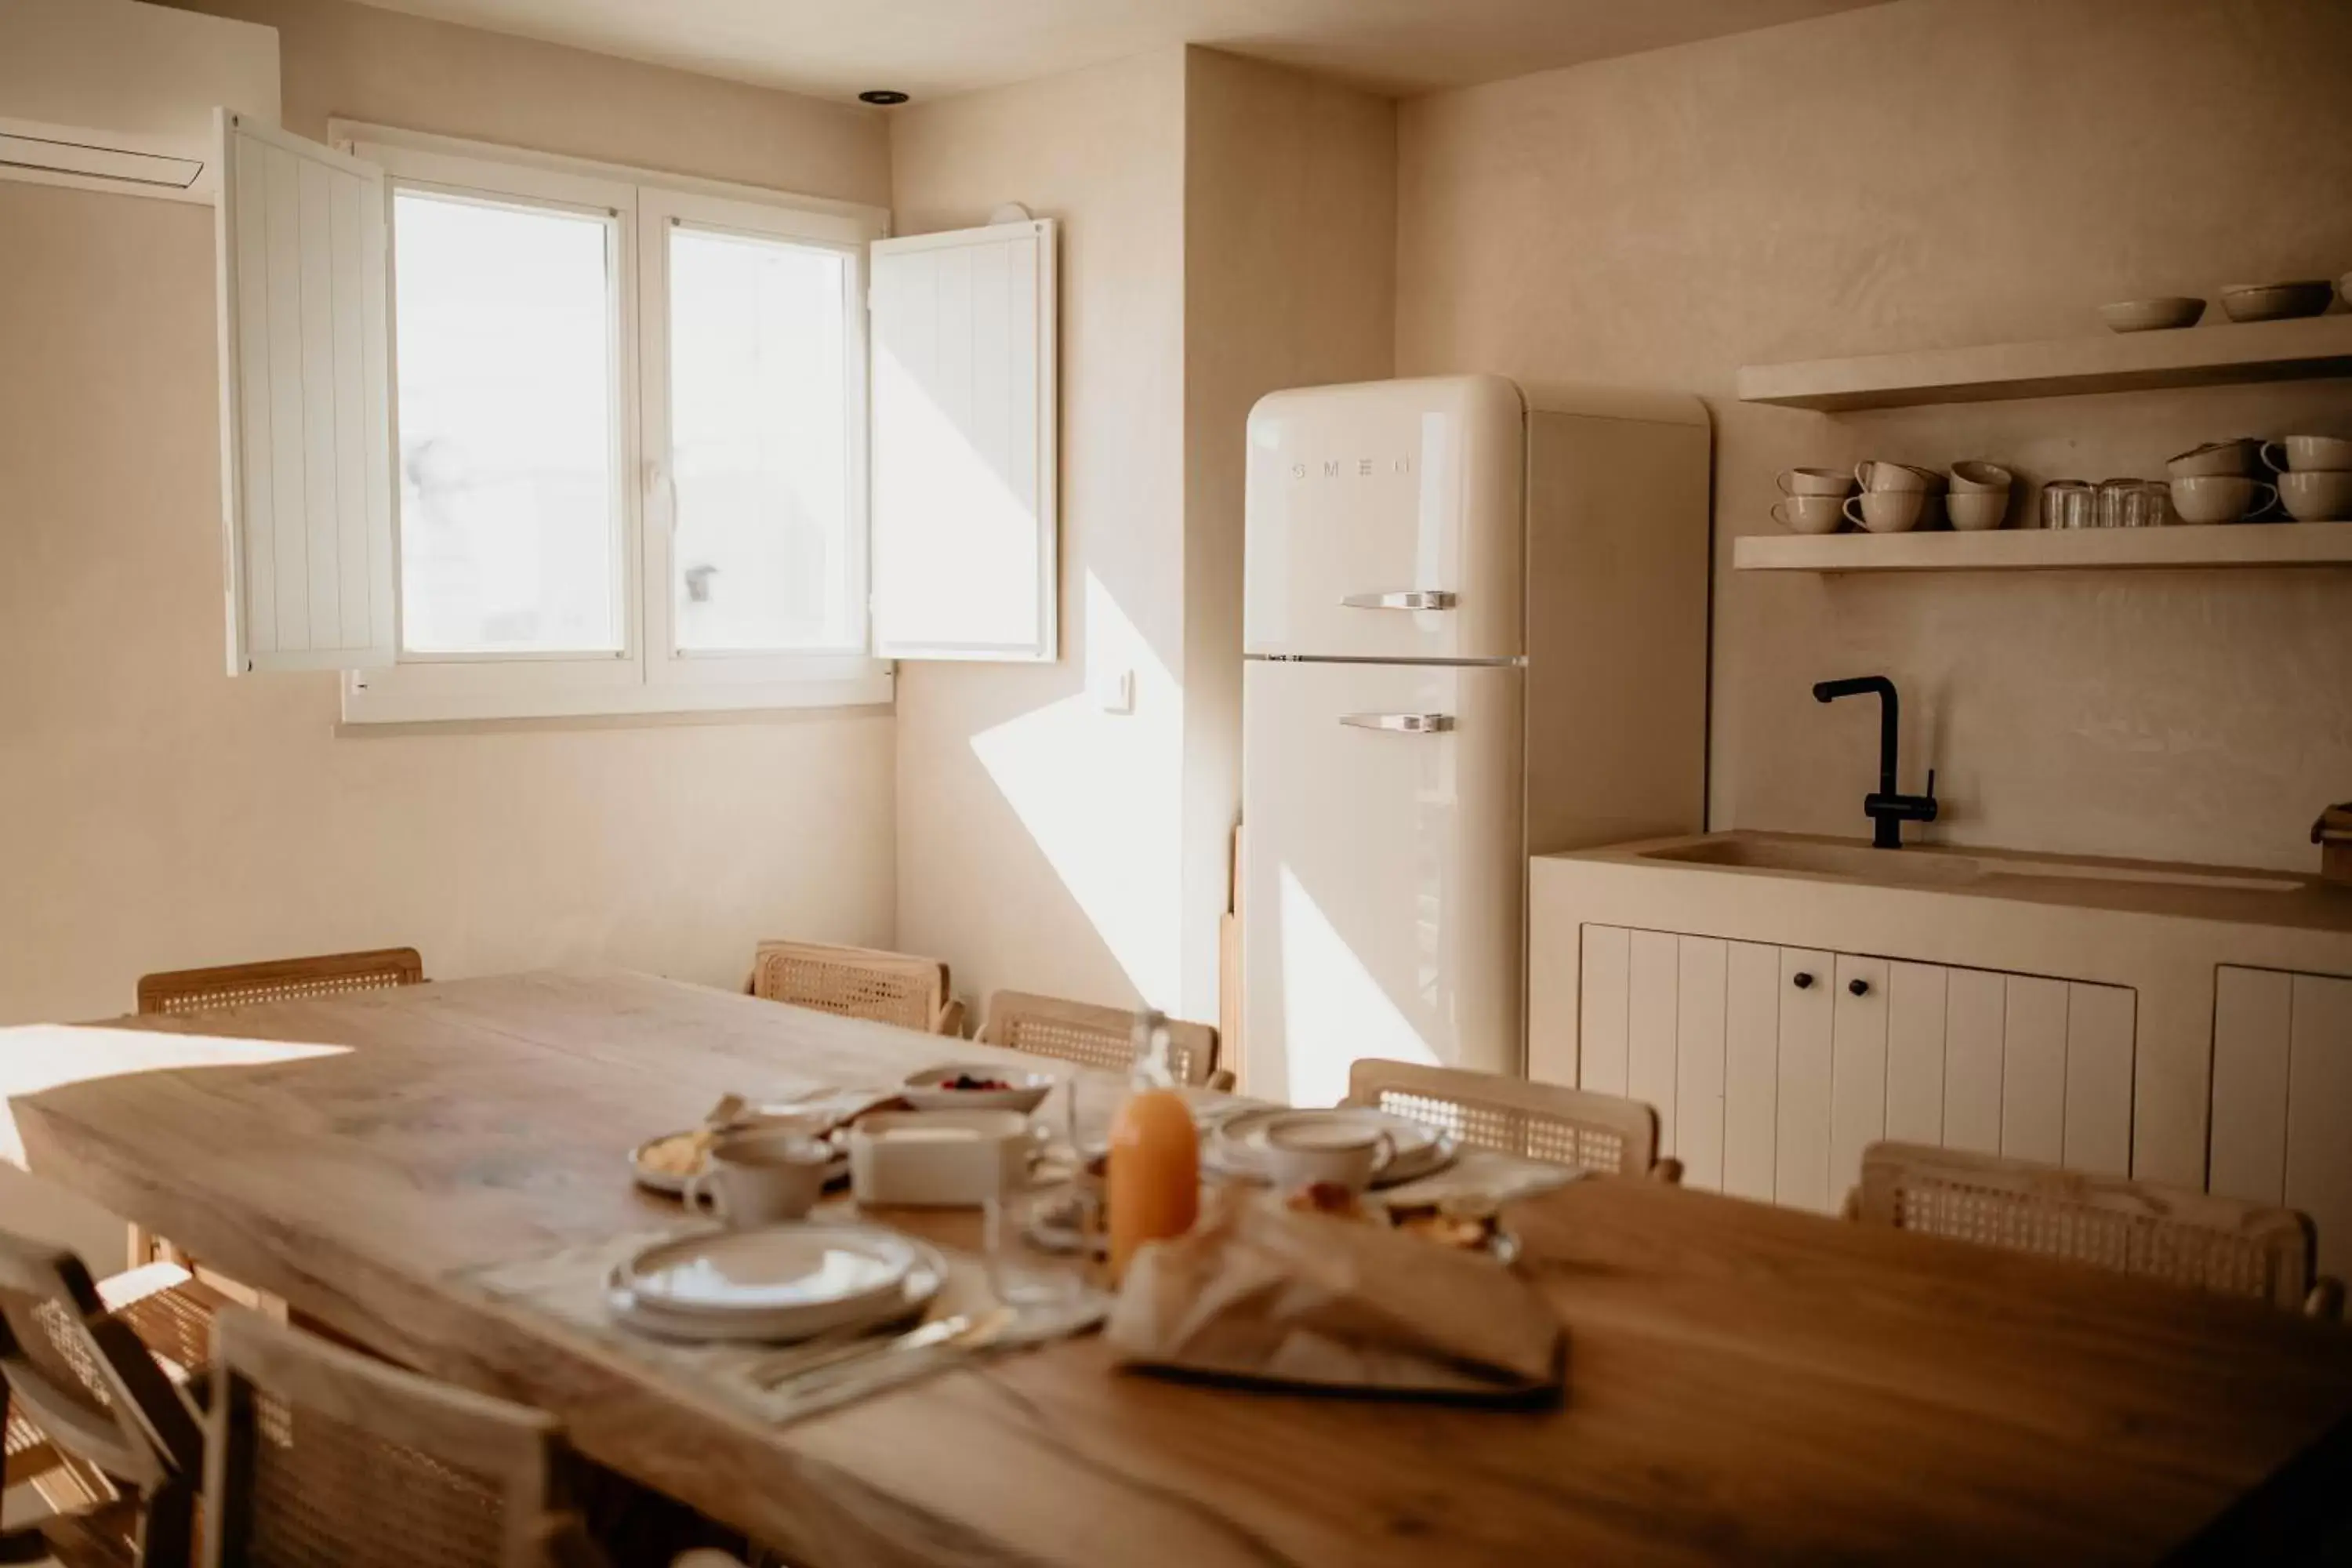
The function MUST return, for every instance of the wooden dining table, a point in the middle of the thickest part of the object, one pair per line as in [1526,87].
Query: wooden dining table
[1744,1383]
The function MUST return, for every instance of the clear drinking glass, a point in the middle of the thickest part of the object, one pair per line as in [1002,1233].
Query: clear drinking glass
[2131,503]
[1021,1272]
[2069,503]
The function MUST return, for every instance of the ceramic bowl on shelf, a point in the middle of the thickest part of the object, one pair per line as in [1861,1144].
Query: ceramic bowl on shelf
[1973,511]
[2301,454]
[2152,315]
[2276,301]
[1810,515]
[2207,498]
[2234,456]
[2316,495]
[1887,512]
[1815,483]
[1974,474]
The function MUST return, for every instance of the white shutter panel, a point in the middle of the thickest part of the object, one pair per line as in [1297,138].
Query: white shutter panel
[964,473]
[306,443]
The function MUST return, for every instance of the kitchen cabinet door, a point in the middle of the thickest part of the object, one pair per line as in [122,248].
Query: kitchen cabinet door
[2097,1109]
[1915,1003]
[1857,1068]
[2250,1010]
[2318,1091]
[1751,1068]
[1702,983]
[1655,981]
[1976,1002]
[1800,1155]
[2034,1070]
[1600,1009]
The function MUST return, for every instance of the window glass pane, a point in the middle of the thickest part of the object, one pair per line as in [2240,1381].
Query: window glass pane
[759,445]
[509,541]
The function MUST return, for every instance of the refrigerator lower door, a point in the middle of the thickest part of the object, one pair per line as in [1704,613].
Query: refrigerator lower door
[1382,871]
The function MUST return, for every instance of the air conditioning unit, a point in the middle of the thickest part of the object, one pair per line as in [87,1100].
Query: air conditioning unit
[113,95]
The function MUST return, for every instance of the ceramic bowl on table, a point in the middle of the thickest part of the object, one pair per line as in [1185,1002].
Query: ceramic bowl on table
[1814,482]
[2316,495]
[976,1086]
[2234,458]
[2206,498]
[1810,515]
[2152,315]
[2302,454]
[2276,301]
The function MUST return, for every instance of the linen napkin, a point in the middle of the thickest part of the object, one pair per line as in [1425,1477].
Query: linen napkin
[1261,1293]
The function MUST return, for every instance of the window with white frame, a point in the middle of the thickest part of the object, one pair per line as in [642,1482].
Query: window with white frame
[510,435]
[629,429]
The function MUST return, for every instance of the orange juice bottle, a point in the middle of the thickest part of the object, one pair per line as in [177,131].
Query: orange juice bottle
[1153,1185]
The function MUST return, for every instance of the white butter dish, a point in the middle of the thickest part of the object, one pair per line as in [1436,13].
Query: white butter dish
[938,1159]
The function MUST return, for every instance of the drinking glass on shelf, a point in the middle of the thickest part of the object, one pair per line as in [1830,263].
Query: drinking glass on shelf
[2131,503]
[2069,503]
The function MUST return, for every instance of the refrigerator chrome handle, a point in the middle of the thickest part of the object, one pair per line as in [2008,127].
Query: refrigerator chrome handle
[1403,599]
[1400,723]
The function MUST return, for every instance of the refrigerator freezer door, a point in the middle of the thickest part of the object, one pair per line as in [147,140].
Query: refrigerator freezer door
[1381,871]
[1385,521]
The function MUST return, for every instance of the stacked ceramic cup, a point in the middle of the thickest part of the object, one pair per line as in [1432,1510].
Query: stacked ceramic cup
[2216,483]
[1894,496]
[1811,499]
[2314,477]
[1980,497]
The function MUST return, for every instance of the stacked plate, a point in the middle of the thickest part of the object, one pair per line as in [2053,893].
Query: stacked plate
[1236,1147]
[785,1282]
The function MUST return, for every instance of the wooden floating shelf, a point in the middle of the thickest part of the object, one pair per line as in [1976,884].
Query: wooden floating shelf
[2050,550]
[2217,356]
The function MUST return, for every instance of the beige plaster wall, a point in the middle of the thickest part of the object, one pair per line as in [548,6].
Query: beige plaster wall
[1936,173]
[1039,831]
[1290,280]
[155,812]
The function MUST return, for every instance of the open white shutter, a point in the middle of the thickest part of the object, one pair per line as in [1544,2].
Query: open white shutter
[305,442]
[964,473]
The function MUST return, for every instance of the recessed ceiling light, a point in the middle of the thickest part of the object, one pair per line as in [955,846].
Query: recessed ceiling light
[885,96]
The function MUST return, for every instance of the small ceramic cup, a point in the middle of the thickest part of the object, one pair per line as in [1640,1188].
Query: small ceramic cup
[2204,498]
[1815,483]
[2316,495]
[1979,476]
[2235,456]
[1300,1151]
[1973,511]
[2301,454]
[1879,475]
[763,1176]
[1810,515]
[1887,512]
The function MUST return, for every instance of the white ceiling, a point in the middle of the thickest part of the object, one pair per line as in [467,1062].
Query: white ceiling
[932,47]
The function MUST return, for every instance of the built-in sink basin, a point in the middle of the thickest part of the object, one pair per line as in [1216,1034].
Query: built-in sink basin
[1941,867]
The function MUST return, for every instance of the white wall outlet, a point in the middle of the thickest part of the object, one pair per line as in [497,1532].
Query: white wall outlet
[1115,691]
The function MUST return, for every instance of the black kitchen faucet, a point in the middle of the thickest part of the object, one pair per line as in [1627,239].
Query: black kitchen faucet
[1888,810]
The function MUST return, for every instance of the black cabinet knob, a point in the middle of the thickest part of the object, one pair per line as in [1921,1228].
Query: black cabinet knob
[1803,981]
[1859,987]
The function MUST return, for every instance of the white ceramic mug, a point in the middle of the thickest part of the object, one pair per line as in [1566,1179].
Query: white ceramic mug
[763,1176]
[1972,512]
[2215,459]
[1814,482]
[1810,515]
[1300,1151]
[1888,511]
[2304,454]
[2205,499]
[1876,474]
[2316,495]
[1975,475]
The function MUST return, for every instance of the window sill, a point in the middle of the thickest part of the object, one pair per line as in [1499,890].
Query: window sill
[386,698]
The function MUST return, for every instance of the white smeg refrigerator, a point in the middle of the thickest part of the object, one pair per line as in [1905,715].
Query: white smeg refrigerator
[1474,628]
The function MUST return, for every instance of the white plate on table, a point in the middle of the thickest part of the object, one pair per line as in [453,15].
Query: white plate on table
[781,1283]
[1024,1090]
[659,1178]
[1236,1147]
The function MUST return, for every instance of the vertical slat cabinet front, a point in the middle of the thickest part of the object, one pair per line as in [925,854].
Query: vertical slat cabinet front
[2318,1095]
[2098,1107]
[1751,1069]
[1857,1068]
[1654,982]
[1917,1000]
[1976,1002]
[2034,1070]
[1802,1141]
[1699,1025]
[1600,1009]
[2251,1013]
